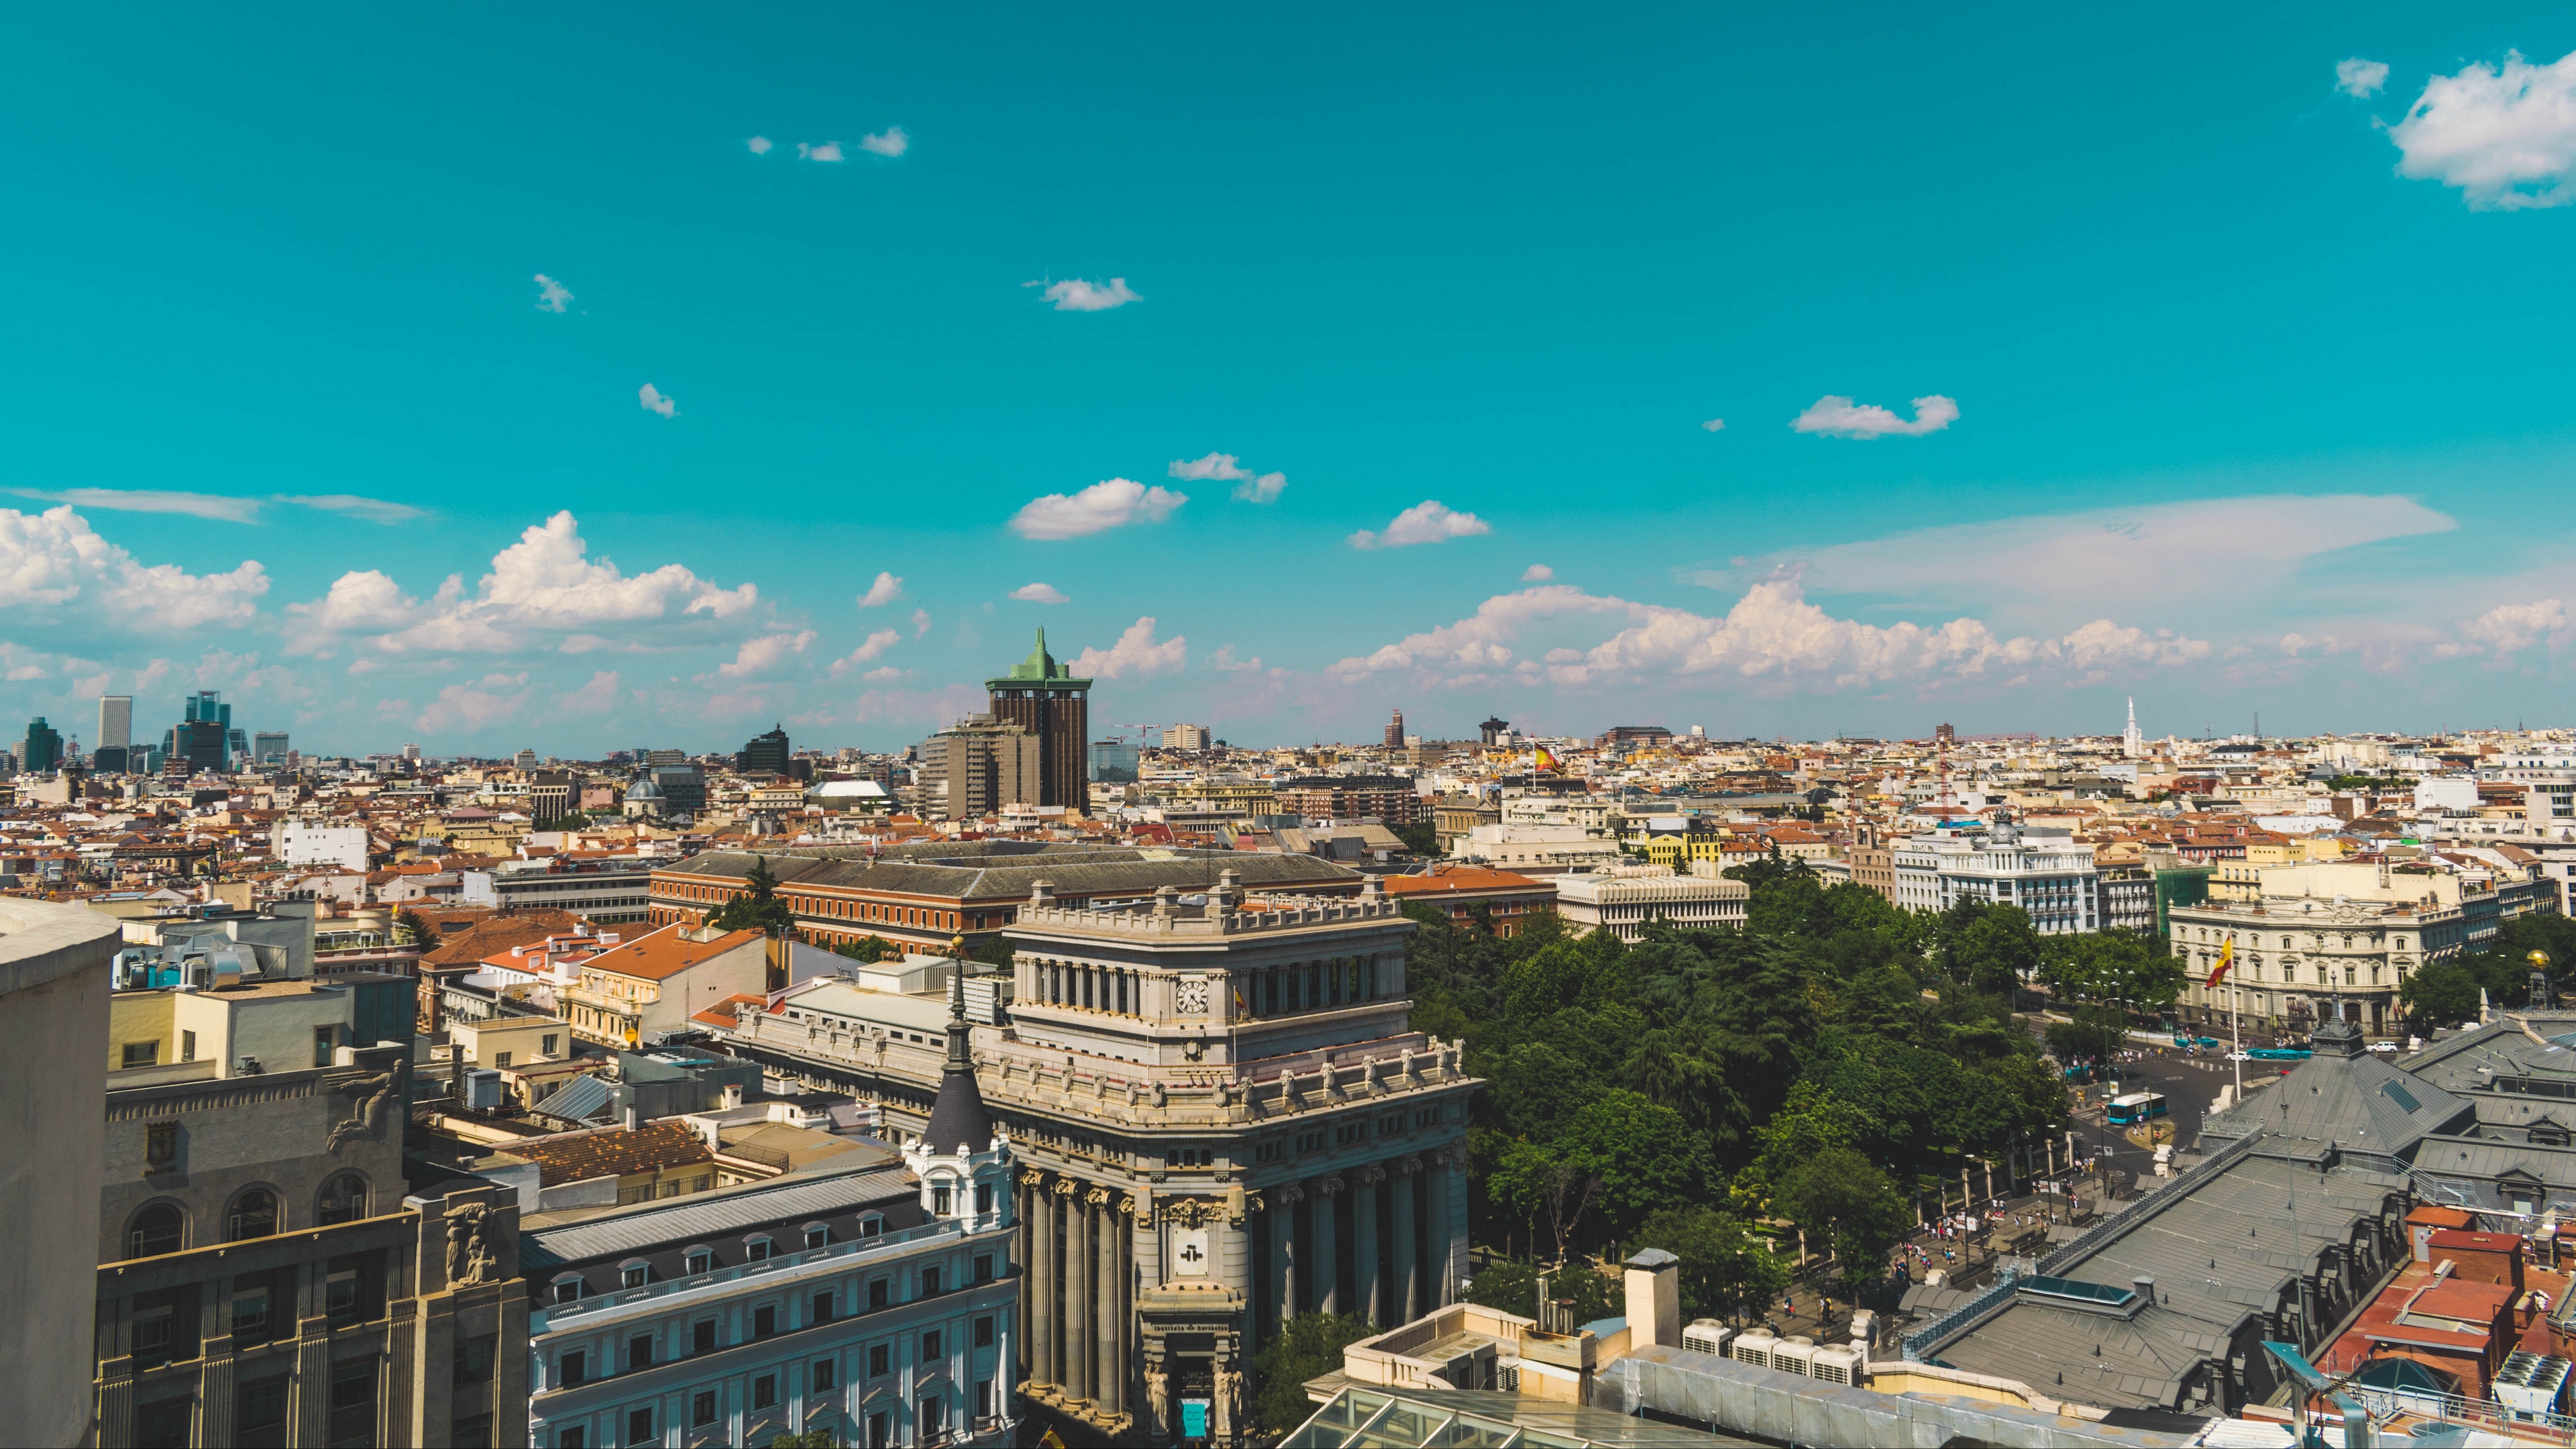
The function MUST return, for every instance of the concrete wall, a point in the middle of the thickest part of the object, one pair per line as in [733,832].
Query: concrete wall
[53,1015]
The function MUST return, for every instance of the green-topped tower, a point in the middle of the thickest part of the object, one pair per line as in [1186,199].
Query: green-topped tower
[1041,696]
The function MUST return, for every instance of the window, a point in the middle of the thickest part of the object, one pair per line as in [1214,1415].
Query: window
[164,1425]
[324,1038]
[930,1281]
[639,1426]
[259,1414]
[702,1336]
[253,1215]
[878,1354]
[633,1275]
[877,1293]
[984,1331]
[639,1352]
[880,1430]
[825,1376]
[576,1368]
[573,1436]
[930,1422]
[939,1199]
[702,1408]
[141,1053]
[165,1326]
[983,1398]
[930,1346]
[567,1290]
[983,1197]
[254,1314]
[822,1307]
[870,1227]
[549,1048]
[187,1046]
[764,1321]
[474,1359]
[699,1260]
[353,1402]
[344,1200]
[817,1235]
[474,1432]
[764,1391]
[756,1249]
[500,1059]
[983,1267]
[157,1229]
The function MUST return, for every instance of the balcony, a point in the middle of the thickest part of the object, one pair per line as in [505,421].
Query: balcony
[580,1312]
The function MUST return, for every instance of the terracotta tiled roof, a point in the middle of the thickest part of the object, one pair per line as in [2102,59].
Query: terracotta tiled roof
[722,1014]
[1460,878]
[613,1152]
[495,936]
[665,953]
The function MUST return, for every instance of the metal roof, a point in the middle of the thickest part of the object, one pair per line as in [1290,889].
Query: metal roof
[578,1100]
[687,1219]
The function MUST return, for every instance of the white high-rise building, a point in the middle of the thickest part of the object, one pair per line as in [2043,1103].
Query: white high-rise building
[2133,744]
[115,722]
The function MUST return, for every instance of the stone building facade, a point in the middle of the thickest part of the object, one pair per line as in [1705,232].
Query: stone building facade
[268,1278]
[1221,1118]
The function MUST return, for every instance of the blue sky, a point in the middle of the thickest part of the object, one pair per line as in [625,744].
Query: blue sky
[2243,385]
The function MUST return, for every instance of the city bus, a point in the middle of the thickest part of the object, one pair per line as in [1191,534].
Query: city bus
[2135,1108]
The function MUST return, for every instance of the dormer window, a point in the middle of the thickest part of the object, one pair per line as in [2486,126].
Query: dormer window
[633,1273]
[939,1199]
[567,1289]
[818,1235]
[699,1260]
[757,1249]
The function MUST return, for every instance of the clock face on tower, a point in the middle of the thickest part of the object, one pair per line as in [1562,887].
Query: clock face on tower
[1192,997]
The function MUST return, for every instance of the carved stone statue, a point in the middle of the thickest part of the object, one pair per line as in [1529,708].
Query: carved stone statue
[1158,1400]
[1228,1403]
[471,1257]
[367,1113]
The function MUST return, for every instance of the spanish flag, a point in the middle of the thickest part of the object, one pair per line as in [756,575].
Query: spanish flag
[2226,958]
[1540,759]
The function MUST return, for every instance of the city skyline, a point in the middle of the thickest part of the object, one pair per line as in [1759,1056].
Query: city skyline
[1576,384]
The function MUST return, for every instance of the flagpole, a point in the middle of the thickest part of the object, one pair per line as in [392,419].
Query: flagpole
[2236,1055]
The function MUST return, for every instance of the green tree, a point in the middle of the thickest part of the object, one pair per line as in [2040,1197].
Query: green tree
[867,948]
[1422,837]
[1644,1156]
[421,932]
[1512,1286]
[1838,1197]
[758,908]
[2092,1035]
[1307,1346]
[1543,1185]
[2439,993]
[1726,1270]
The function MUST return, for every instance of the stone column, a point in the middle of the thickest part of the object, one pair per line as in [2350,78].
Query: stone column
[1039,1224]
[1448,1242]
[1404,1225]
[1365,1287]
[1328,1255]
[1110,1369]
[1283,1245]
[1075,1351]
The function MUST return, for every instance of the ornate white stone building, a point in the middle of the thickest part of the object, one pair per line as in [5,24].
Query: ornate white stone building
[1220,1116]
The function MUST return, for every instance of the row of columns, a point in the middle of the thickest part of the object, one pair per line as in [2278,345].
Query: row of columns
[1093,988]
[1081,1289]
[1395,1277]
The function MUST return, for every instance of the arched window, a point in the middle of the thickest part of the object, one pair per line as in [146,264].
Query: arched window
[252,1215]
[156,1230]
[344,1200]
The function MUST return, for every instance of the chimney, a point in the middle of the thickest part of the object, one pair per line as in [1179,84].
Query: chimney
[733,1094]
[630,1119]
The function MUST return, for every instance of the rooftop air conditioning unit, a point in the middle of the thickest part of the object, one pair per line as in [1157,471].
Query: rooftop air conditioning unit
[1844,1366]
[1795,1355]
[1754,1347]
[1707,1335]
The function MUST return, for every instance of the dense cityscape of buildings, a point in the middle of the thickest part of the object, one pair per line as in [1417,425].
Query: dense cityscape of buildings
[413,1100]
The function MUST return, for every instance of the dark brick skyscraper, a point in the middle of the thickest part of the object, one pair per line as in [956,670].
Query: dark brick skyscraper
[1042,697]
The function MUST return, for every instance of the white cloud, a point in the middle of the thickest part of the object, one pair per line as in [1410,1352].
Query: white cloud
[151,500]
[599,696]
[1839,417]
[877,644]
[759,656]
[2361,78]
[1772,633]
[1429,521]
[759,145]
[2504,135]
[544,584]
[1040,594]
[1214,468]
[551,295]
[2510,629]
[1076,295]
[1135,655]
[885,675]
[1224,659]
[373,510]
[55,558]
[826,151]
[1263,489]
[920,622]
[657,401]
[892,141]
[1104,505]
[1713,425]
[885,590]
[490,700]
[1537,574]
